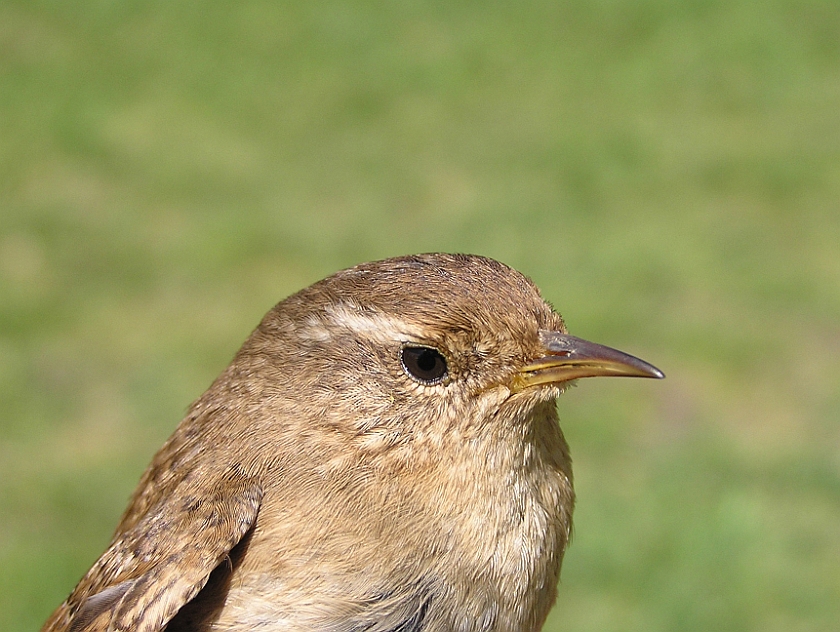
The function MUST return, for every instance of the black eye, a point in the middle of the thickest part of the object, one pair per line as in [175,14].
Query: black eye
[424,364]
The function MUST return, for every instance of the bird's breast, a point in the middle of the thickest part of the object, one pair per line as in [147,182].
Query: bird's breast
[470,542]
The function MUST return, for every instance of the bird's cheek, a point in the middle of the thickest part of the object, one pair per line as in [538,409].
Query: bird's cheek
[486,403]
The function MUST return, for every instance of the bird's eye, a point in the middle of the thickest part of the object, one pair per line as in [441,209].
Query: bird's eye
[424,364]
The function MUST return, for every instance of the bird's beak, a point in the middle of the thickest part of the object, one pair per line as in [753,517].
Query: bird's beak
[569,358]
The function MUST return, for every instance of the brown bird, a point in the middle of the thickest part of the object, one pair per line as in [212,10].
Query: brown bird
[382,455]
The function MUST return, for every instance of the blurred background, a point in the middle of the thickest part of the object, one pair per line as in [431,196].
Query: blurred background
[667,172]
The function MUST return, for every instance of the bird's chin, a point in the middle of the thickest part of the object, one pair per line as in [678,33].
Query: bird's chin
[542,392]
[553,391]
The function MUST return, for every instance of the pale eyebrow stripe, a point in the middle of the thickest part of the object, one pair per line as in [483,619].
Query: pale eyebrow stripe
[372,325]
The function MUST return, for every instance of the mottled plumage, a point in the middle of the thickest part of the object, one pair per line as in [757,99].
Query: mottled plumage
[382,455]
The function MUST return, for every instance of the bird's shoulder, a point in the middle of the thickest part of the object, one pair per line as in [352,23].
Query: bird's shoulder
[160,559]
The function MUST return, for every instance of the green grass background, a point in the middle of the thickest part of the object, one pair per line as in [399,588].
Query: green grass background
[667,172]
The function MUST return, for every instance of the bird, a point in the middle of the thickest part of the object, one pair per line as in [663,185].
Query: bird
[383,454]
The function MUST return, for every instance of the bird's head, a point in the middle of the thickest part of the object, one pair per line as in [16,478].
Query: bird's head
[434,343]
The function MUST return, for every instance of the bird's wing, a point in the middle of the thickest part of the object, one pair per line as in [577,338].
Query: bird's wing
[161,562]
